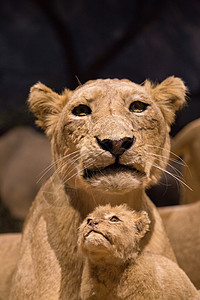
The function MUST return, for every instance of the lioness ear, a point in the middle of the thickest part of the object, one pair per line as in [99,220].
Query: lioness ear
[142,222]
[46,106]
[169,94]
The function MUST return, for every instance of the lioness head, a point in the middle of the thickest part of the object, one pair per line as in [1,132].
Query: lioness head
[112,233]
[110,134]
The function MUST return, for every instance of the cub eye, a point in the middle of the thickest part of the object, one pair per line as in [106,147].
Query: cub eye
[138,106]
[114,219]
[88,221]
[82,110]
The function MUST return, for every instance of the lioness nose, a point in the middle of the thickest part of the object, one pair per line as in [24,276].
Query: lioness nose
[116,147]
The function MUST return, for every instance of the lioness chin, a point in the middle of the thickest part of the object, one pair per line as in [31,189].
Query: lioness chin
[110,141]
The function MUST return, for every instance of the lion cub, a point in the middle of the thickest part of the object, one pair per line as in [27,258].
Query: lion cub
[115,268]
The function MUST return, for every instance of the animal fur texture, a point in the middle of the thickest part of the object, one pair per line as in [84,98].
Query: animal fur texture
[186,144]
[114,268]
[182,221]
[110,141]
[182,226]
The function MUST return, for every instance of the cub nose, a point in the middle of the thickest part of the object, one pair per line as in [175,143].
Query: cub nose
[116,147]
[92,223]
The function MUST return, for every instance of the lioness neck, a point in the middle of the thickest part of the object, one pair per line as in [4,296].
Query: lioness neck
[73,205]
[86,200]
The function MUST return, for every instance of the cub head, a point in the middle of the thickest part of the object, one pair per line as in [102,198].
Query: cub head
[111,135]
[112,234]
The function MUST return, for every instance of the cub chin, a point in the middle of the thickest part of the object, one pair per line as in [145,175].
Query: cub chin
[114,266]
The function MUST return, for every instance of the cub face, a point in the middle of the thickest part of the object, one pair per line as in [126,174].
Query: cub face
[112,234]
[110,134]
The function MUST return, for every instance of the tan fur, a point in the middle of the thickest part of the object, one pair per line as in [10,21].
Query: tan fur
[9,250]
[187,145]
[114,268]
[182,223]
[50,266]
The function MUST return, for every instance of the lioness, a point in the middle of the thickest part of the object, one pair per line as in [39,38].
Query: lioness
[110,141]
[114,266]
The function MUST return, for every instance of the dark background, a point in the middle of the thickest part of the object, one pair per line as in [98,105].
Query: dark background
[55,41]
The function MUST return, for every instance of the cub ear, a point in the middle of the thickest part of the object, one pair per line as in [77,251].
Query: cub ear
[169,94]
[142,223]
[46,106]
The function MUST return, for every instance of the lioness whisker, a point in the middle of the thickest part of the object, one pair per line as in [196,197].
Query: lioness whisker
[73,160]
[88,165]
[177,171]
[169,173]
[90,162]
[169,151]
[60,159]
[78,172]
[170,159]
[77,156]
[48,168]
[165,174]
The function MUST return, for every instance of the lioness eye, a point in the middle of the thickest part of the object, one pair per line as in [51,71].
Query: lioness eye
[81,110]
[114,219]
[138,106]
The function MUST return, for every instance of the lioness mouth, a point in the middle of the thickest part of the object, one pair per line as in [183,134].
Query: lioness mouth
[111,169]
[98,232]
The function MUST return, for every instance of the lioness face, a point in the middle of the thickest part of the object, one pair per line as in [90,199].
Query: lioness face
[111,135]
[112,233]
[120,135]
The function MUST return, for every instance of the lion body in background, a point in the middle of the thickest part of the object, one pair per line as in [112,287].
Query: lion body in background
[110,141]
[182,221]
[182,226]
[24,155]
[186,144]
